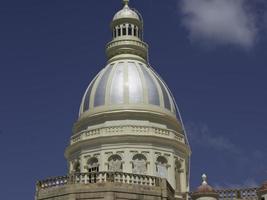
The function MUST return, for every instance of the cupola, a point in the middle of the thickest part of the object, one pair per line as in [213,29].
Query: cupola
[262,191]
[205,191]
[127,36]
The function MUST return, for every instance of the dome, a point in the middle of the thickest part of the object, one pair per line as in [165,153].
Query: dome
[126,13]
[204,190]
[204,187]
[263,187]
[127,85]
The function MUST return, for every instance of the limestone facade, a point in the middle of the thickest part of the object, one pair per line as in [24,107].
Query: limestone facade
[129,140]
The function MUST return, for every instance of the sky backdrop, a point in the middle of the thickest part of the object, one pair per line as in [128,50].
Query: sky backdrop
[211,53]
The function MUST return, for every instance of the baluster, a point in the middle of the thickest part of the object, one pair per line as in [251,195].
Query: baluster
[138,179]
[99,177]
[144,178]
[127,178]
[124,177]
[105,177]
[87,178]
[151,180]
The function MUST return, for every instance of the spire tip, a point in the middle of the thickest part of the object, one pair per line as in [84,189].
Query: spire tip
[126,2]
[204,179]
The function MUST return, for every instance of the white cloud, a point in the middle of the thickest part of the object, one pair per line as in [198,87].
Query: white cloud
[200,134]
[219,22]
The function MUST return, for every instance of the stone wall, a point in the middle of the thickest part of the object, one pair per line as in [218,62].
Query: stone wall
[106,191]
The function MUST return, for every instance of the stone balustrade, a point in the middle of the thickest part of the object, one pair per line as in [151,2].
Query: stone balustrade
[99,177]
[52,182]
[236,194]
[233,194]
[121,130]
[126,42]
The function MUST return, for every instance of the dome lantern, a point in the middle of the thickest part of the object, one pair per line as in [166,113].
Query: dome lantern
[127,36]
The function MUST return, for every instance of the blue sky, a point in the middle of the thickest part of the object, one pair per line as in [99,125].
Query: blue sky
[211,53]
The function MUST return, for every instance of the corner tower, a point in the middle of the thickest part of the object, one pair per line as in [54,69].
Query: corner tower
[128,130]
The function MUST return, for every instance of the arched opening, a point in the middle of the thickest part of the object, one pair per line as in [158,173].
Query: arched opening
[93,165]
[135,31]
[130,32]
[178,172]
[93,168]
[115,163]
[119,31]
[161,167]
[76,167]
[124,29]
[139,164]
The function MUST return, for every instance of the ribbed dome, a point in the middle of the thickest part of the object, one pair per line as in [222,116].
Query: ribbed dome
[127,85]
[205,189]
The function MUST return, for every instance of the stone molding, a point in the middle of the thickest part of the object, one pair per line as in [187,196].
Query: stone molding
[127,130]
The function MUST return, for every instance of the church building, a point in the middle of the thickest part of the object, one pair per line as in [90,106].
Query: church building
[129,141]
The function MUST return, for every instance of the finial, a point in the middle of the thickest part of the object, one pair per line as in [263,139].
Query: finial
[126,2]
[204,179]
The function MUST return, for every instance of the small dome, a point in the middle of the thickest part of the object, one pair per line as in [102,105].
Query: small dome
[204,187]
[127,13]
[204,190]
[263,186]
[127,85]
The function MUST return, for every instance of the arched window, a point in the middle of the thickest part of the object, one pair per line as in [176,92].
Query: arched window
[93,165]
[139,164]
[161,167]
[124,29]
[115,163]
[130,32]
[135,31]
[178,172]
[119,31]
[76,167]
